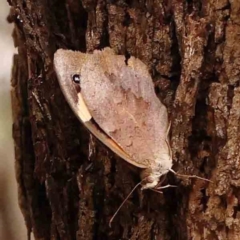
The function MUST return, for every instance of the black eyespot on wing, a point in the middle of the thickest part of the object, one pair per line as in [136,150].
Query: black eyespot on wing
[76,78]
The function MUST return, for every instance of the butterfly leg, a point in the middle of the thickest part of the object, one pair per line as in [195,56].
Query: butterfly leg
[160,182]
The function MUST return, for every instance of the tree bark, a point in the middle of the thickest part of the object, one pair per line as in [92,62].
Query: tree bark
[69,184]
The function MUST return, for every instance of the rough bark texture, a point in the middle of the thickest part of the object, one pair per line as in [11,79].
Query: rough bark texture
[69,184]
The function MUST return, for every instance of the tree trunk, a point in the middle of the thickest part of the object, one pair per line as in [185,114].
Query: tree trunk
[69,184]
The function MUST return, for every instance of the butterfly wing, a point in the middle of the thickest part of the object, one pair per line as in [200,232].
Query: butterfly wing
[68,63]
[121,99]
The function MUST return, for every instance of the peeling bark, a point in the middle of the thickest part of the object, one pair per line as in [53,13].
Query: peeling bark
[69,184]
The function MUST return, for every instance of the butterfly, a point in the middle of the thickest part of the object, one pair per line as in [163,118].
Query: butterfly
[114,98]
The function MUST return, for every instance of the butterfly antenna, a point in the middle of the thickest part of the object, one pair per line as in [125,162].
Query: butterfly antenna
[114,215]
[189,176]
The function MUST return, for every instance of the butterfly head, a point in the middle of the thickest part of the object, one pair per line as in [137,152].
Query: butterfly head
[151,176]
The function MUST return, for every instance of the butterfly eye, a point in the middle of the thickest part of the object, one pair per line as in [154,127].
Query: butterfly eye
[76,78]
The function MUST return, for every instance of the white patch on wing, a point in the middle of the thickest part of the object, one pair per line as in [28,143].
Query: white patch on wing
[82,109]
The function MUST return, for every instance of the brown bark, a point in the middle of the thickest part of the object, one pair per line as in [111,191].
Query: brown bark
[69,184]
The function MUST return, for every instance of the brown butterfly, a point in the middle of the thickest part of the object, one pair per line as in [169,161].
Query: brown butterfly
[114,97]
[116,101]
